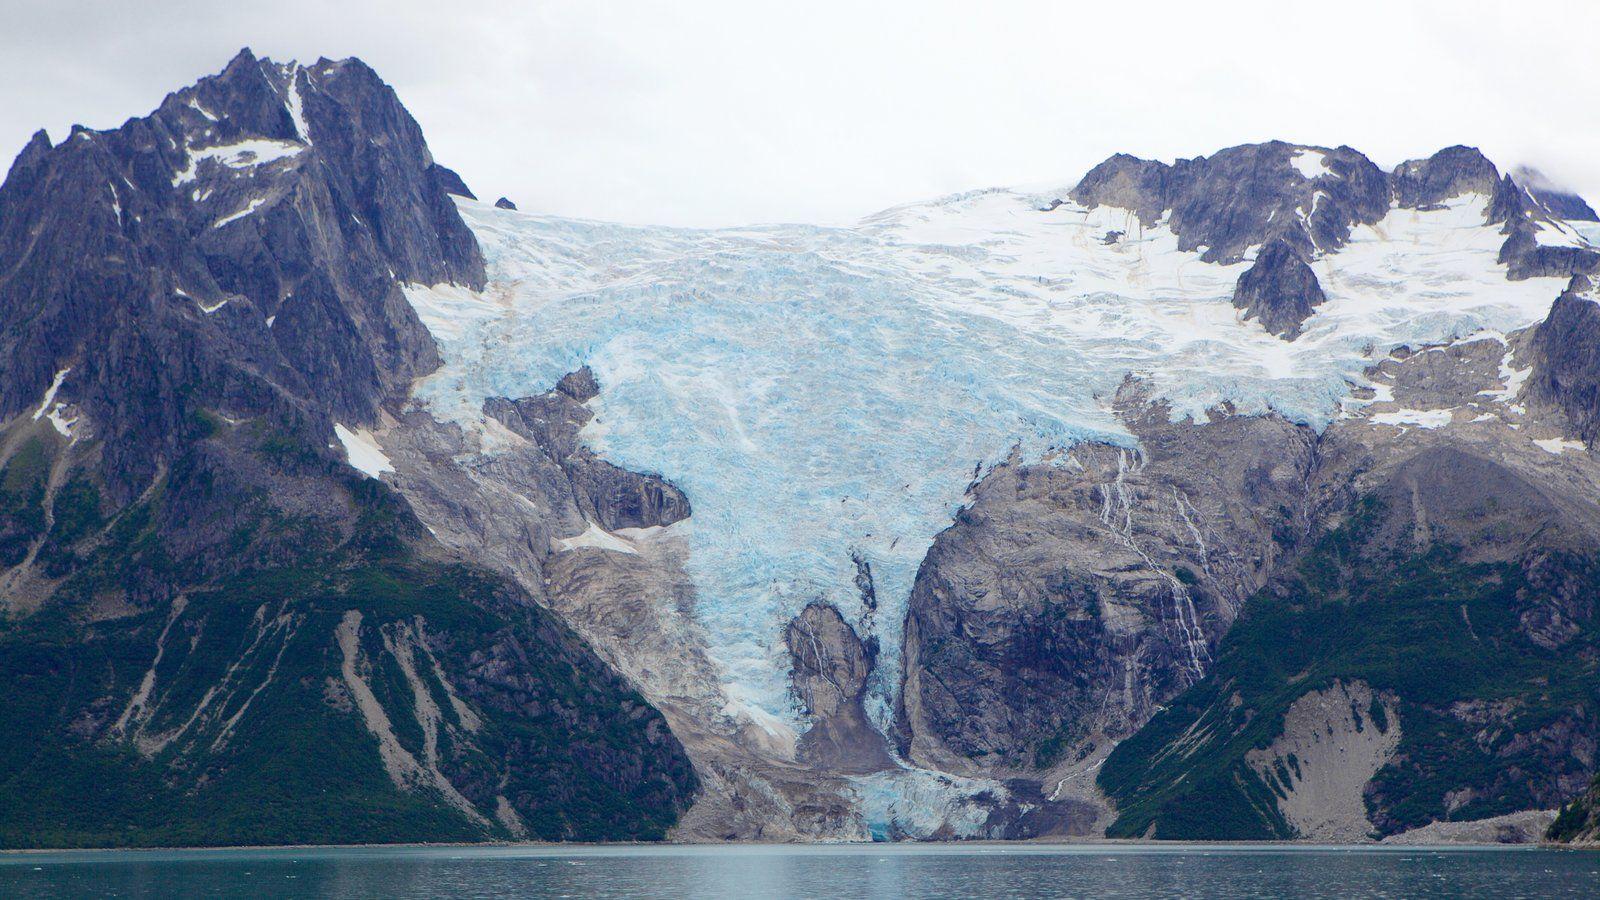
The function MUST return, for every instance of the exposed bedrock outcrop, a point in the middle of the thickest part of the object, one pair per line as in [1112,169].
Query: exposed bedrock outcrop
[610,496]
[1451,172]
[1070,598]
[1279,290]
[1552,198]
[1241,197]
[829,676]
[1454,171]
[229,241]
[1332,743]
[1445,591]
[1565,356]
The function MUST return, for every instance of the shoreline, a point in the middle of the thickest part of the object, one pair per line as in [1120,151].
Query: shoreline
[1032,846]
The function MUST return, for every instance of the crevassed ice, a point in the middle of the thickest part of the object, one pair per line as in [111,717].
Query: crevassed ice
[819,390]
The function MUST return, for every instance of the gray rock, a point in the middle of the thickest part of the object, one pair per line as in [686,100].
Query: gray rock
[610,496]
[214,286]
[1553,200]
[1243,196]
[448,181]
[1565,352]
[1453,171]
[1069,600]
[830,670]
[1279,290]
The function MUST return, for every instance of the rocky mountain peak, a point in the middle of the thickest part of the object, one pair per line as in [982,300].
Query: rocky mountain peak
[1279,290]
[1554,200]
[248,235]
[1449,173]
[1224,204]
[203,336]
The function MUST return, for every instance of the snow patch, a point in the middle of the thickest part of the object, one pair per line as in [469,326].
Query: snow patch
[254,204]
[450,310]
[361,450]
[296,107]
[242,155]
[1511,381]
[1421,418]
[1311,164]
[1557,233]
[60,422]
[56,412]
[50,393]
[195,105]
[1559,446]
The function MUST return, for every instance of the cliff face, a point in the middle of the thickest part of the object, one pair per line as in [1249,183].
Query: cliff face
[1224,204]
[1565,353]
[1446,580]
[1069,600]
[247,235]
[1443,575]
[217,630]
[1279,290]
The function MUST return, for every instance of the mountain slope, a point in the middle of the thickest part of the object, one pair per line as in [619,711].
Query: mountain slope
[217,630]
[1427,655]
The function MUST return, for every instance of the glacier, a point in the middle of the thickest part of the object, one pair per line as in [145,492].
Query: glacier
[821,391]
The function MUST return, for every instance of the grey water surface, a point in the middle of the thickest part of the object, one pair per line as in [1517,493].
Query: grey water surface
[755,871]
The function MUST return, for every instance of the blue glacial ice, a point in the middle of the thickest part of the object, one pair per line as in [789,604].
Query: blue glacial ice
[821,391]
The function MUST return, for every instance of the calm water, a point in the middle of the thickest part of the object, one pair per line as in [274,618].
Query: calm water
[746,872]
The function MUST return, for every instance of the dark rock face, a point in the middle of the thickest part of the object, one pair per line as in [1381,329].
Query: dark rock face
[448,181]
[1281,197]
[504,203]
[1557,202]
[1566,360]
[830,670]
[1453,171]
[1489,721]
[1068,601]
[1244,196]
[609,496]
[1524,257]
[1279,290]
[212,242]
[1128,182]
[207,611]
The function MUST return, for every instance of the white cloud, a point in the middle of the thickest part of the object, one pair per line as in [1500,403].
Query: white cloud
[728,112]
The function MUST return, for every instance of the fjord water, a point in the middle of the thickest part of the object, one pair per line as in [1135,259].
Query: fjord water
[752,871]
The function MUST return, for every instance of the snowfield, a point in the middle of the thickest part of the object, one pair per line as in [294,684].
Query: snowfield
[823,390]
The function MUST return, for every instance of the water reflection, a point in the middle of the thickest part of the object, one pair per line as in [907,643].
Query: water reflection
[866,871]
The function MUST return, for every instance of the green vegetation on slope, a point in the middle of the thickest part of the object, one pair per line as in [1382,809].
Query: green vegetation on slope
[249,733]
[1440,634]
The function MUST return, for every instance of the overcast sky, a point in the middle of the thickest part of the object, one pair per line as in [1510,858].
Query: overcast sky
[718,113]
